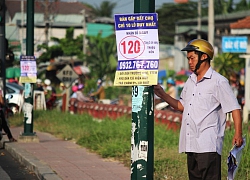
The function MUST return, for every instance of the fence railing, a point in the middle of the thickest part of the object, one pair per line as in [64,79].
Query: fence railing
[101,111]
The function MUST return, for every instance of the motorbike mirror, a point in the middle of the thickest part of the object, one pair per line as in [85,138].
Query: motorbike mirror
[10,96]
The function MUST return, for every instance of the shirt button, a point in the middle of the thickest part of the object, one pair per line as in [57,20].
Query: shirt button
[193,94]
[190,104]
[187,133]
[188,113]
[187,123]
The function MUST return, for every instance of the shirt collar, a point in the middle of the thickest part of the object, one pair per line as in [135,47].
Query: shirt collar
[207,75]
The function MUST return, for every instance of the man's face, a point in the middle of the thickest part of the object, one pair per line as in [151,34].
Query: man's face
[192,60]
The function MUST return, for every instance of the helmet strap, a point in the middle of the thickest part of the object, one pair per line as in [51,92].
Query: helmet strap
[199,62]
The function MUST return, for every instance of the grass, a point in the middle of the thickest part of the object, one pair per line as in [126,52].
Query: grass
[111,139]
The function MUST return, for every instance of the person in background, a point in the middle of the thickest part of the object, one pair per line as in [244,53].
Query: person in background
[50,94]
[74,89]
[62,88]
[49,91]
[205,99]
[171,90]
[4,125]
[241,88]
[39,86]
[100,93]
[80,96]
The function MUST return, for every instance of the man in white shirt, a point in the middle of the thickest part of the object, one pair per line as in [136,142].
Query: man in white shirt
[204,101]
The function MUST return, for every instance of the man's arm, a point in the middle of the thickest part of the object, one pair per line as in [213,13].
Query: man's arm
[237,139]
[97,92]
[158,90]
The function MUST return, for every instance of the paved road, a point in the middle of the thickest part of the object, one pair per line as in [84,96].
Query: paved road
[11,169]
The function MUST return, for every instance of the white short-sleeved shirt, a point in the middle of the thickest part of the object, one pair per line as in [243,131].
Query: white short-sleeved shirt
[204,117]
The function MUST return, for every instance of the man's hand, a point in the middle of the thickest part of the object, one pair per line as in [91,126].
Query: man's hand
[159,91]
[237,140]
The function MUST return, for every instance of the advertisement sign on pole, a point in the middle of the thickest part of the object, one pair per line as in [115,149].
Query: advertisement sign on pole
[28,69]
[137,49]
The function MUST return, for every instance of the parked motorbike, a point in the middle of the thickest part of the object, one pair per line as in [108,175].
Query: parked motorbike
[51,103]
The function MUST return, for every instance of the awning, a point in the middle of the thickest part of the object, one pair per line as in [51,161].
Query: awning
[81,70]
[13,72]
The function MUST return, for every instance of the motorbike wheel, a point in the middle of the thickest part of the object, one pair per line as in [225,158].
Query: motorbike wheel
[14,109]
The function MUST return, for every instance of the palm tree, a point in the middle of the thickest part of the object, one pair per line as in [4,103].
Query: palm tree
[242,5]
[105,10]
[228,63]
[101,56]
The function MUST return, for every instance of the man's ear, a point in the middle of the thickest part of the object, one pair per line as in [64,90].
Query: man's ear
[204,56]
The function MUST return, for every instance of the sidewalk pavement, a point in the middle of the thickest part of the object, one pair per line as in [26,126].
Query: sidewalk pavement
[54,159]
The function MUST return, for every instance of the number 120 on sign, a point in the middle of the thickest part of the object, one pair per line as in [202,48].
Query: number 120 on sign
[131,47]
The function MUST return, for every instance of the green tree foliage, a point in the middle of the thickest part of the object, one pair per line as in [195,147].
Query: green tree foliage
[169,14]
[227,63]
[71,46]
[50,52]
[67,46]
[242,5]
[223,6]
[101,52]
[102,56]
[105,9]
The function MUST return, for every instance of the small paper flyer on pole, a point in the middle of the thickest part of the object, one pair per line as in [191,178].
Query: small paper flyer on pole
[28,69]
[137,49]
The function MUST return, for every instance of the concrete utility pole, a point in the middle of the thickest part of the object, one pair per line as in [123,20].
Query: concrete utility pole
[211,22]
[199,19]
[46,21]
[84,31]
[143,120]
[22,26]
[246,108]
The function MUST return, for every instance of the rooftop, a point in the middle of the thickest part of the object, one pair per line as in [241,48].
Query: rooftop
[241,24]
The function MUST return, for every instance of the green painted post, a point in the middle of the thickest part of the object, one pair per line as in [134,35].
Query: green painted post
[28,127]
[142,133]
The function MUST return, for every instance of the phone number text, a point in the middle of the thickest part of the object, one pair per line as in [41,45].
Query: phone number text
[138,64]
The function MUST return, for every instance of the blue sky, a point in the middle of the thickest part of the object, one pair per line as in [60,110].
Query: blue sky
[124,6]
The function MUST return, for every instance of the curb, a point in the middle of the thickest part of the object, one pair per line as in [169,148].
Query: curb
[42,170]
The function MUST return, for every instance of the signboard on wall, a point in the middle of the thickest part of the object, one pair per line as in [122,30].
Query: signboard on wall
[234,44]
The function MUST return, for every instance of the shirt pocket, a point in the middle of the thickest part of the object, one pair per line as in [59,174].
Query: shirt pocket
[206,101]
